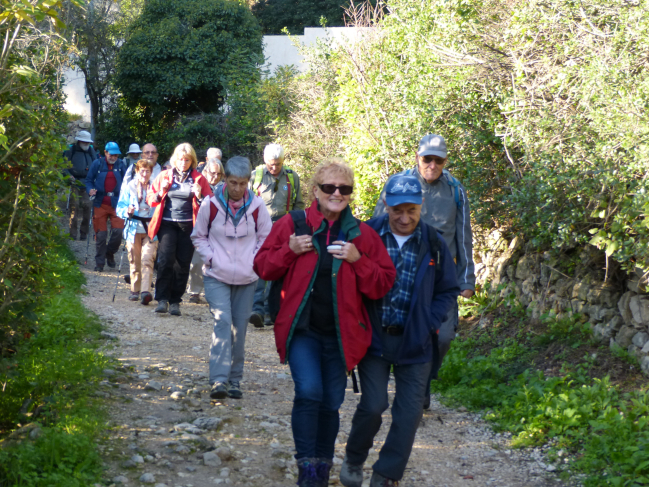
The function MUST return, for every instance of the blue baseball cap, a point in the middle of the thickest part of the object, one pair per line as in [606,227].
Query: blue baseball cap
[112,148]
[403,189]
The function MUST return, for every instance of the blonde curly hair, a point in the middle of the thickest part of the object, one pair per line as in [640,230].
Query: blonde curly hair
[330,167]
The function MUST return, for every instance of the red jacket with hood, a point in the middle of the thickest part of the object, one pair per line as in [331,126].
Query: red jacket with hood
[159,204]
[371,276]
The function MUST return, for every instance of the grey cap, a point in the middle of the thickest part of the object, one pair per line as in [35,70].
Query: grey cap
[432,145]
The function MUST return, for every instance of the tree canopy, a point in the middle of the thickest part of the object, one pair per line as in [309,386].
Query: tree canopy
[179,55]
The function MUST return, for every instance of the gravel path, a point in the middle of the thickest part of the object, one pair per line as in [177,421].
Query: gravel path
[165,430]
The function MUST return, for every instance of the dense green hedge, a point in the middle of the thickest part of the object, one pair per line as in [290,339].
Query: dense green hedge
[543,103]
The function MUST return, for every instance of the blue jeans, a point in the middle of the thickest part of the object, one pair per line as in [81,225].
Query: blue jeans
[261,298]
[320,378]
[407,410]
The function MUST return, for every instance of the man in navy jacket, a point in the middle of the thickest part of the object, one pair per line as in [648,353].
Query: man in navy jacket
[103,182]
[404,326]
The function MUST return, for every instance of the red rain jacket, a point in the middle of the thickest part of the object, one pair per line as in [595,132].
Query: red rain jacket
[371,276]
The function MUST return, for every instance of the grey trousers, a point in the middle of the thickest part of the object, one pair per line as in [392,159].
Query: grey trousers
[195,284]
[444,338]
[231,306]
[407,410]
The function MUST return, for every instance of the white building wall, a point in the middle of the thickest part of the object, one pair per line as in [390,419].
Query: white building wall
[279,50]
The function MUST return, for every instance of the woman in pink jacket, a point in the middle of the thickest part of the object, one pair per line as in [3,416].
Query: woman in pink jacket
[230,228]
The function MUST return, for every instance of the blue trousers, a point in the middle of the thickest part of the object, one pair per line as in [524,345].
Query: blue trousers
[320,378]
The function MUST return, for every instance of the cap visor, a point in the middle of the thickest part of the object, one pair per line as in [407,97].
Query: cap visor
[395,200]
[432,152]
[114,152]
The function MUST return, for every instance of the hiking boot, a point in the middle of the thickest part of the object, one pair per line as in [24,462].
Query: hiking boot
[146,298]
[257,320]
[379,480]
[110,260]
[195,299]
[234,390]
[322,471]
[127,279]
[163,306]
[427,402]
[218,391]
[134,297]
[269,323]
[174,309]
[351,475]
[83,236]
[307,476]
[99,268]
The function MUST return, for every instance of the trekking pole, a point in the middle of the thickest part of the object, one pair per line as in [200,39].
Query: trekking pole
[67,206]
[92,212]
[121,259]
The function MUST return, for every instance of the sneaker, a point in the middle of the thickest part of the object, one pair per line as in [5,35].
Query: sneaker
[163,306]
[269,323]
[351,475]
[134,297]
[110,260]
[99,268]
[127,279]
[146,298]
[195,299]
[257,320]
[379,480]
[174,309]
[218,391]
[234,390]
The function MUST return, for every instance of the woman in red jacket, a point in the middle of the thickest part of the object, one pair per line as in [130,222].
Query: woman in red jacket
[175,194]
[322,328]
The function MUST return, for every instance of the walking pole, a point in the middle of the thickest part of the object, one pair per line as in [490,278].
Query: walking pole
[92,212]
[121,259]
[67,206]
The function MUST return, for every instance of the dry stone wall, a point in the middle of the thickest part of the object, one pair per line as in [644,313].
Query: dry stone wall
[616,305]
[73,129]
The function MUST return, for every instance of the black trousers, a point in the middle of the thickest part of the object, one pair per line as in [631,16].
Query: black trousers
[175,252]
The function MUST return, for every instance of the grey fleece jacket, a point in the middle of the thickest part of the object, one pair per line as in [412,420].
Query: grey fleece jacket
[441,211]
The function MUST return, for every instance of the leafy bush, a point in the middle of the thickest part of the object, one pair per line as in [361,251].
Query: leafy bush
[48,380]
[543,105]
[179,55]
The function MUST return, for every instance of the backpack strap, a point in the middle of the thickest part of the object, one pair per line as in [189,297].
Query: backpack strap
[433,242]
[292,194]
[455,184]
[255,216]
[213,211]
[259,174]
[300,226]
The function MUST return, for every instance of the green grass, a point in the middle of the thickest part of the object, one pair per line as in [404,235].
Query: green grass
[605,429]
[49,381]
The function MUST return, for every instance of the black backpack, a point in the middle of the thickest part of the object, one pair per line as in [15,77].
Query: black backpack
[275,292]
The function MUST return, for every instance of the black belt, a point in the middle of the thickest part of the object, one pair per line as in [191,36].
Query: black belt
[393,330]
[145,221]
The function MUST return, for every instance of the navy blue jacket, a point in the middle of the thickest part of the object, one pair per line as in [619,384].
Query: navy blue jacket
[97,177]
[434,293]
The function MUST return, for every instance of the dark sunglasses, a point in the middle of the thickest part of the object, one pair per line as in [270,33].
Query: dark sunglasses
[331,189]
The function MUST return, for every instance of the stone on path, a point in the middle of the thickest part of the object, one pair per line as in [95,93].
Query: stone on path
[209,424]
[147,478]
[120,479]
[211,459]
[153,385]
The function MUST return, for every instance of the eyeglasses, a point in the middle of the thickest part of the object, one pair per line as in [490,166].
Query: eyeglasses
[331,189]
[149,153]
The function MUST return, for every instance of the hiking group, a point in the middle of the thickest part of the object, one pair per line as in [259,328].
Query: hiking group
[379,296]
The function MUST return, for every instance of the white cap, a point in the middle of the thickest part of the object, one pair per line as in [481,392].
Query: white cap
[134,149]
[83,136]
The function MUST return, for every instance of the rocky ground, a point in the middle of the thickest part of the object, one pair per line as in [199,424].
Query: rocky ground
[165,430]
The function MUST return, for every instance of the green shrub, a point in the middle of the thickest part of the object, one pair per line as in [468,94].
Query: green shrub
[48,380]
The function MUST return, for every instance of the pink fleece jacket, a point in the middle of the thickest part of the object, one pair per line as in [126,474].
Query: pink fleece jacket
[228,251]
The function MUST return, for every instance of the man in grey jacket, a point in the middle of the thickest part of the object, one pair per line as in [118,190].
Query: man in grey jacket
[80,155]
[446,207]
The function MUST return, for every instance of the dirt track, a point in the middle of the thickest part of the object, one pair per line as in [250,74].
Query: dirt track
[162,388]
